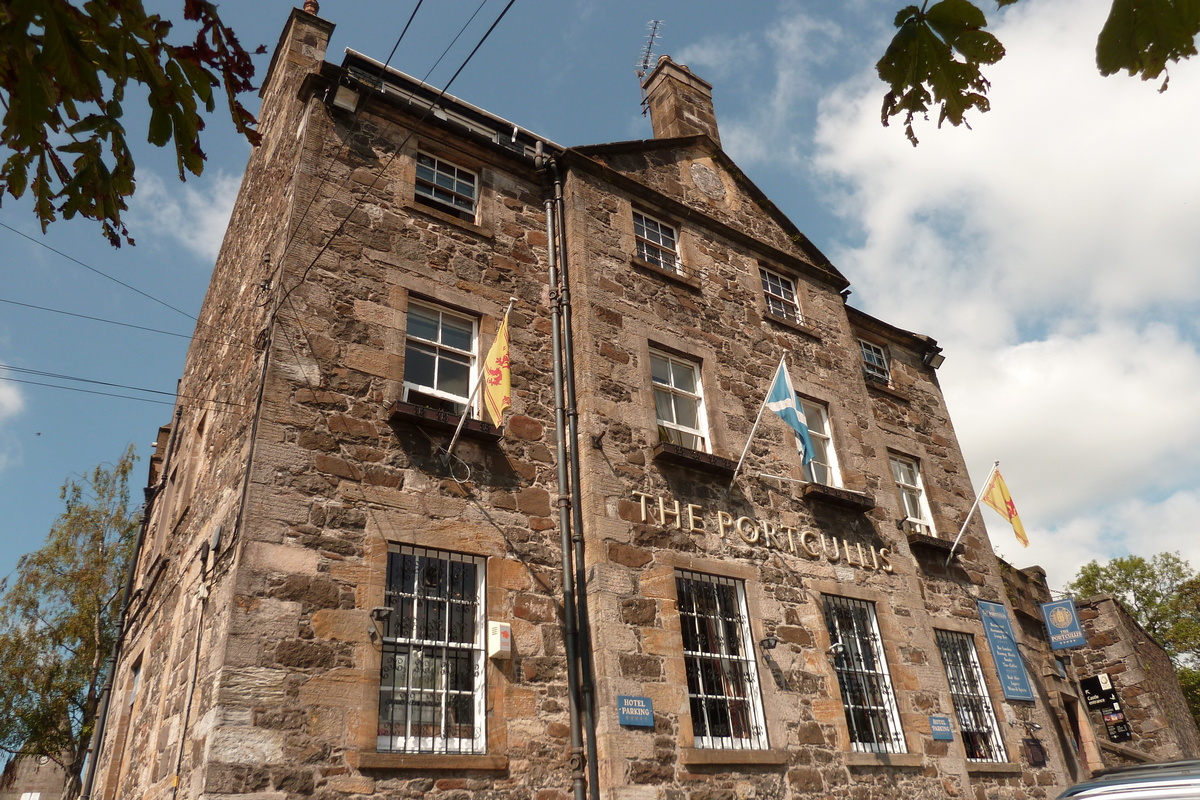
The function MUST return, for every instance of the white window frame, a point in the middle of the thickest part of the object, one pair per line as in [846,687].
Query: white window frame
[719,658]
[443,351]
[872,717]
[657,242]
[914,504]
[446,186]
[779,294]
[407,645]
[669,429]
[823,468]
[977,724]
[875,362]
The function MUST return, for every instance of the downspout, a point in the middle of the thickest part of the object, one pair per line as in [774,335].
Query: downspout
[151,492]
[582,617]
[570,632]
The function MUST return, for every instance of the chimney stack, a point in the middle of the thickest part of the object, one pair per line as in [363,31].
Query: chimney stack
[680,103]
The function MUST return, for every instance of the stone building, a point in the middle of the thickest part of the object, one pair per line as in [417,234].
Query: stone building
[1152,705]
[331,601]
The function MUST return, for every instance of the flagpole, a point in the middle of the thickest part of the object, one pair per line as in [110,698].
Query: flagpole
[757,420]
[471,399]
[987,482]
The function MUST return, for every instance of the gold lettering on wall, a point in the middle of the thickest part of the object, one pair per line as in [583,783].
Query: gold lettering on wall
[668,512]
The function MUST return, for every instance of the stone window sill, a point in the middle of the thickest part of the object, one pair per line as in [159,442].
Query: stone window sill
[930,543]
[856,501]
[427,761]
[877,385]
[473,428]
[678,277]
[982,767]
[698,756]
[792,324]
[674,454]
[884,759]
[443,216]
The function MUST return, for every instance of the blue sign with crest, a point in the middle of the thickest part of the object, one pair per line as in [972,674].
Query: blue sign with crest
[1062,622]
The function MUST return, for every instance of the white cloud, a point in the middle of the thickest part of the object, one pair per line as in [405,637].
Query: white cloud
[1051,250]
[12,402]
[796,46]
[195,213]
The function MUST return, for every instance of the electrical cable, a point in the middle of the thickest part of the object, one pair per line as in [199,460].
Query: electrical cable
[59,376]
[111,278]
[112,394]
[114,322]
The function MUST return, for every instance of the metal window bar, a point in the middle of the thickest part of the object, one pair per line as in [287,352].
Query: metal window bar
[431,678]
[972,705]
[861,666]
[718,654]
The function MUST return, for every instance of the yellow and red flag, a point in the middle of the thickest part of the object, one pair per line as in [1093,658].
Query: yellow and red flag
[996,495]
[497,377]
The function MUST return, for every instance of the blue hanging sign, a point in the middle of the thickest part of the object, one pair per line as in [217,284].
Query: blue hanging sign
[636,711]
[941,730]
[1014,682]
[1062,621]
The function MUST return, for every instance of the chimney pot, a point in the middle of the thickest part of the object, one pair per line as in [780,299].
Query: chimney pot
[680,103]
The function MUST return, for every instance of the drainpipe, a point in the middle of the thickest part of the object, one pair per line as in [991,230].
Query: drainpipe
[151,492]
[587,682]
[570,632]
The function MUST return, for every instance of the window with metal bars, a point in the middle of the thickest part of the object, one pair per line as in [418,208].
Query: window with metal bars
[862,671]
[431,688]
[718,656]
[972,705]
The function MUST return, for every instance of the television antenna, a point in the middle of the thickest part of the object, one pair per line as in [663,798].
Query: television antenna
[647,57]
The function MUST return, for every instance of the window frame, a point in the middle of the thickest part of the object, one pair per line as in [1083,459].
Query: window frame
[738,697]
[653,251]
[461,404]
[779,305]
[978,726]
[914,492]
[875,363]
[393,642]
[665,427]
[874,722]
[425,188]
[822,432]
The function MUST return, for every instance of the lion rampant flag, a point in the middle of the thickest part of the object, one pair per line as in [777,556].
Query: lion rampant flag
[497,377]
[996,495]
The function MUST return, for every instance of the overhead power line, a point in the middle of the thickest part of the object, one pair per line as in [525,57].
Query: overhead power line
[112,322]
[58,376]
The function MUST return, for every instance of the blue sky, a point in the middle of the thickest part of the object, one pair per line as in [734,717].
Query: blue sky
[1051,250]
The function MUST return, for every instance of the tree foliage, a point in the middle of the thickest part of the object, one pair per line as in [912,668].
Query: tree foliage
[1163,595]
[937,52]
[64,70]
[58,617]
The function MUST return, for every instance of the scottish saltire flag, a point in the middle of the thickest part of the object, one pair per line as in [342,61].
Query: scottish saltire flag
[782,400]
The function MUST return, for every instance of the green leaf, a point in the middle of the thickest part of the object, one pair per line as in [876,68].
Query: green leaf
[1142,36]
[934,58]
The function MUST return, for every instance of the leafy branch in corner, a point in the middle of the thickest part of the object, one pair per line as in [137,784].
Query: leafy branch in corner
[936,56]
[64,71]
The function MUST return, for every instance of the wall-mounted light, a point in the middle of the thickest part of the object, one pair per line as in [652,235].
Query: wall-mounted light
[381,613]
[836,649]
[769,643]
[934,359]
